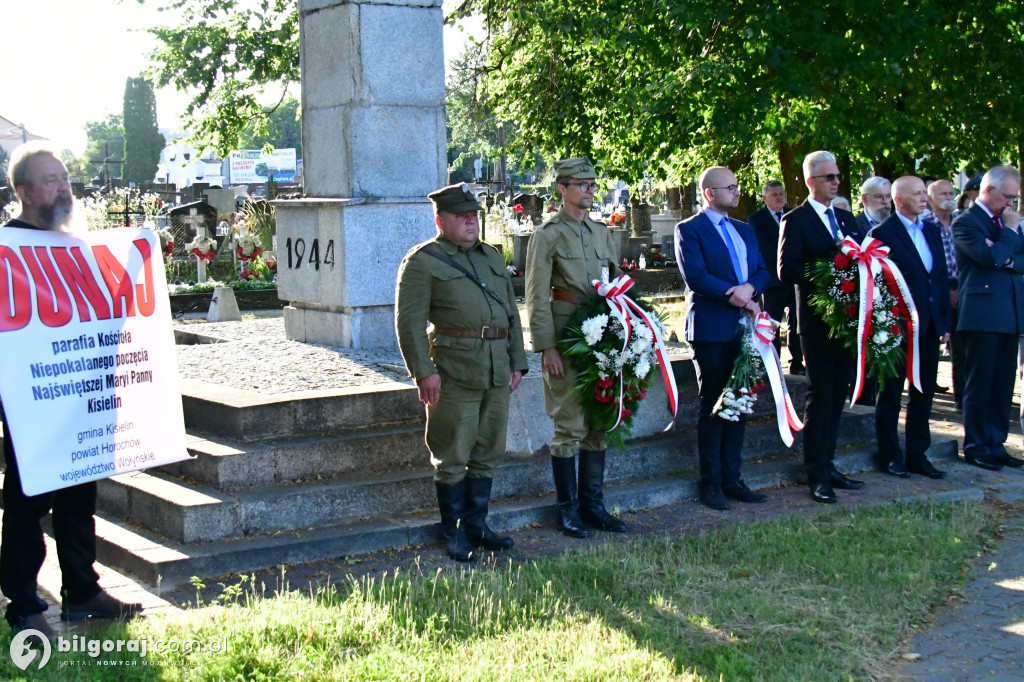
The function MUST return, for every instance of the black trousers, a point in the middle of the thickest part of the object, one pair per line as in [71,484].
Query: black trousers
[919,408]
[775,301]
[21,540]
[719,441]
[829,368]
[959,360]
[991,365]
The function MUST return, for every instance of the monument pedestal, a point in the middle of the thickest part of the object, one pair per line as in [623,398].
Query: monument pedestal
[373,138]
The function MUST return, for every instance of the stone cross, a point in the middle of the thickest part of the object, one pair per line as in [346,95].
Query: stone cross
[373,138]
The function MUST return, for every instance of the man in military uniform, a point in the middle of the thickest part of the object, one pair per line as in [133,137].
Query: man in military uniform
[465,367]
[566,254]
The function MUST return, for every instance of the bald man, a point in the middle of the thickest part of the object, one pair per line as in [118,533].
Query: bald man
[916,247]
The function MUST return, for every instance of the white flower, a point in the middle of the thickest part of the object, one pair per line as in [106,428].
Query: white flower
[881,337]
[617,328]
[643,333]
[593,329]
[642,368]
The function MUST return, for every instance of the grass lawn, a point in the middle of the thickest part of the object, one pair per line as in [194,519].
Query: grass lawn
[790,598]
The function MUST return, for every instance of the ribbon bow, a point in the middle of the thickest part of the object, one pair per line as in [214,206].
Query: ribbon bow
[762,331]
[872,258]
[626,310]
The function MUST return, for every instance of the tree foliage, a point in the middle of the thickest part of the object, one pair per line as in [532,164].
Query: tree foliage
[279,127]
[142,138]
[104,138]
[226,52]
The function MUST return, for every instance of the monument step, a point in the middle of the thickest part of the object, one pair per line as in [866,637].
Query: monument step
[156,561]
[188,513]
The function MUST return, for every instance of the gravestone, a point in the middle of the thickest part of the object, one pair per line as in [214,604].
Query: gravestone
[225,200]
[374,141]
[188,218]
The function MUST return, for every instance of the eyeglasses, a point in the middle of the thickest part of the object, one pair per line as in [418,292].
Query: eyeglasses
[729,188]
[584,186]
[831,177]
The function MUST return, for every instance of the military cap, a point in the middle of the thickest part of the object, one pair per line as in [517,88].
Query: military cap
[455,199]
[578,168]
[974,183]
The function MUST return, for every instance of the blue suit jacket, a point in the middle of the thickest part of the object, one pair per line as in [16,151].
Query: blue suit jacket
[930,291]
[991,294]
[707,269]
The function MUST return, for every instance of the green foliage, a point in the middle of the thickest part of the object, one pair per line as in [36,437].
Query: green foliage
[3,165]
[105,138]
[142,139]
[227,52]
[280,127]
[78,166]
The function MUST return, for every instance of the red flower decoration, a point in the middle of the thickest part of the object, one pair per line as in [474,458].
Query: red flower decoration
[841,261]
[847,286]
[895,311]
[851,309]
[518,208]
[895,330]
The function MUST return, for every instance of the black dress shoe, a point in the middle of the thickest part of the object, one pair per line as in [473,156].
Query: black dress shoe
[838,480]
[941,389]
[895,469]
[823,493]
[983,461]
[925,468]
[1006,459]
[713,497]
[797,370]
[741,493]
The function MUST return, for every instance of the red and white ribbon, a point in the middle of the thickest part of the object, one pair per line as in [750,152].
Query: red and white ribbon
[872,258]
[762,333]
[625,310]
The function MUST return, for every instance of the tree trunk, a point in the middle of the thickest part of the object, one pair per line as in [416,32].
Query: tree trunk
[844,185]
[792,173]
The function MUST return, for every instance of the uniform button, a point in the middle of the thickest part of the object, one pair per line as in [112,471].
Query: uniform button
[588,257]
[585,244]
[483,285]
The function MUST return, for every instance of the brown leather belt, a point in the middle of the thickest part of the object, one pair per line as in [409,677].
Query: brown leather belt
[481,333]
[566,295]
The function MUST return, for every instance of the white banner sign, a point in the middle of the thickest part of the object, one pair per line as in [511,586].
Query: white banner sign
[89,380]
[252,166]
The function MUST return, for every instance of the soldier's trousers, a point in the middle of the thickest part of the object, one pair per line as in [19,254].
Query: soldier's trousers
[466,431]
[572,429]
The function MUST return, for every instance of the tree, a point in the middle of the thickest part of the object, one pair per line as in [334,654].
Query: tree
[228,51]
[279,127]
[78,166]
[142,138]
[105,138]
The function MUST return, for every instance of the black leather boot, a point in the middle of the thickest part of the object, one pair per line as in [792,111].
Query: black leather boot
[591,487]
[479,534]
[451,502]
[563,469]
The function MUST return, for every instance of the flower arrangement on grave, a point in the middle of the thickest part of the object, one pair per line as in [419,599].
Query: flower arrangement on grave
[656,259]
[617,219]
[616,344]
[864,300]
[203,248]
[627,266]
[166,238]
[258,269]
[247,246]
[518,208]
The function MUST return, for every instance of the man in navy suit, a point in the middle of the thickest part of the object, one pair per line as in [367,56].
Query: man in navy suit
[809,233]
[720,261]
[990,257]
[916,248]
[779,295]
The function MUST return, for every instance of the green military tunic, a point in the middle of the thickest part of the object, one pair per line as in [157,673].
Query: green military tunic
[566,254]
[466,428]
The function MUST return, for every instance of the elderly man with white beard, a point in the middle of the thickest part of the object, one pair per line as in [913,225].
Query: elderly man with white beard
[40,180]
[942,202]
[876,199]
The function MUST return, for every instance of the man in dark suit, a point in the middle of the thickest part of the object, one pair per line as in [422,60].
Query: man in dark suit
[876,201]
[810,232]
[720,261]
[916,248]
[779,295]
[990,256]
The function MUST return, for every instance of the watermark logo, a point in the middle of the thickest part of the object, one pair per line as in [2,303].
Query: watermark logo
[23,653]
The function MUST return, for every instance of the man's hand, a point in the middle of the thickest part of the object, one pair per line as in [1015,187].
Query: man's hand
[740,295]
[551,359]
[753,306]
[513,381]
[988,243]
[430,389]
[1010,218]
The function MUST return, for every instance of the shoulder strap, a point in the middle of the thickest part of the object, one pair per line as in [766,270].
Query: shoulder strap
[430,250]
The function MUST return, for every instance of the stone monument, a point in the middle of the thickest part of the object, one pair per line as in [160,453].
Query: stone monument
[373,137]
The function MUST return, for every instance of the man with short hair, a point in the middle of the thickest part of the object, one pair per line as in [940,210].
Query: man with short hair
[40,180]
[876,200]
[942,201]
[809,233]
[779,296]
[722,266]
[465,367]
[916,248]
[566,254]
[990,259]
